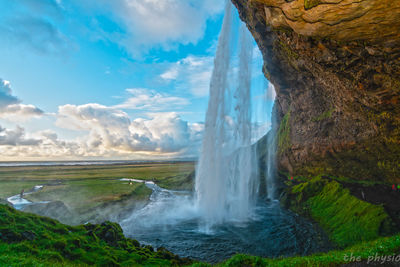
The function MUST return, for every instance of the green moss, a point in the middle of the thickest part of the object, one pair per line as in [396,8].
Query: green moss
[284,134]
[327,114]
[308,4]
[292,55]
[383,246]
[346,219]
[53,244]
[31,240]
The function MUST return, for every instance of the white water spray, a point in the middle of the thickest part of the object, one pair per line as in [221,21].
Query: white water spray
[271,168]
[226,188]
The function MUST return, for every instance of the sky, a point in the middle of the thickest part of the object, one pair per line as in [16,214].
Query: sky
[99,79]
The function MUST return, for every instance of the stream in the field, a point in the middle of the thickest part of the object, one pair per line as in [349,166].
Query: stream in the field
[19,202]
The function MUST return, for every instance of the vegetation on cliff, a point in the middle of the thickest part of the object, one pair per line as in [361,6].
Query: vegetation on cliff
[346,219]
[336,69]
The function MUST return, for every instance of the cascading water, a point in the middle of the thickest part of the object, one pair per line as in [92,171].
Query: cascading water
[242,177]
[225,185]
[226,188]
[270,159]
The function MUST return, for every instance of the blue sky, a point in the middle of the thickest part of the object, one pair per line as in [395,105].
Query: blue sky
[124,79]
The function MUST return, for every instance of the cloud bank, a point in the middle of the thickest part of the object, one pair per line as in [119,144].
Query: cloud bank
[108,133]
[110,128]
[104,131]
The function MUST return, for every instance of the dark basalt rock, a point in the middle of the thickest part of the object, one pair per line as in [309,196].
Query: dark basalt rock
[338,95]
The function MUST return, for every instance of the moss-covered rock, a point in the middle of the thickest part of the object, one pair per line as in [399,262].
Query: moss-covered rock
[345,218]
[31,240]
[284,134]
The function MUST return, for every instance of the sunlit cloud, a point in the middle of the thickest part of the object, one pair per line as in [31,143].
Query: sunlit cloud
[109,134]
[151,100]
[108,131]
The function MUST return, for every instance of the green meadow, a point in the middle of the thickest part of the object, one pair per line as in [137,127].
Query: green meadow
[84,188]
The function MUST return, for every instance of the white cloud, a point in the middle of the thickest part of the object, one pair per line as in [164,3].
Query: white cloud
[16,137]
[170,74]
[11,107]
[167,130]
[85,117]
[111,130]
[6,97]
[162,23]
[20,112]
[109,134]
[193,72]
[150,100]
[105,132]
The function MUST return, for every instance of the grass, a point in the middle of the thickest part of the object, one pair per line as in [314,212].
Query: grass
[182,181]
[50,173]
[86,194]
[81,186]
[9,188]
[86,190]
[366,251]
[31,240]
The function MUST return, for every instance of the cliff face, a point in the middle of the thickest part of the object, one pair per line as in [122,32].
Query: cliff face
[335,65]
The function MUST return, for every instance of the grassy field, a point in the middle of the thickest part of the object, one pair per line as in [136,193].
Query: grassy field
[84,188]
[14,179]
[50,173]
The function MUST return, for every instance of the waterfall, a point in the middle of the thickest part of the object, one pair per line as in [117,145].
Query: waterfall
[226,186]
[270,164]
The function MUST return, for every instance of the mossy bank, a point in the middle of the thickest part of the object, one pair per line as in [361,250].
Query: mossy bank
[346,219]
[31,240]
